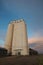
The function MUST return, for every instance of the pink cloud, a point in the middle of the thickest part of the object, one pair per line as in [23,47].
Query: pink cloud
[35,40]
[36,43]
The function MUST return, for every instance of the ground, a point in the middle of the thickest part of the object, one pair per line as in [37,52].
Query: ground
[22,60]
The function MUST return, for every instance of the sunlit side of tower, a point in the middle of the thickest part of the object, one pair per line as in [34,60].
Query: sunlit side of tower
[19,42]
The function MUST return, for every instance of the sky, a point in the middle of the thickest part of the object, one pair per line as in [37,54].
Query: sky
[32,13]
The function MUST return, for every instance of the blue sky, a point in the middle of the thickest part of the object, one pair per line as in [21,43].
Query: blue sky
[29,10]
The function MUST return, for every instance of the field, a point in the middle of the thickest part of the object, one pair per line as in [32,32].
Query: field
[22,60]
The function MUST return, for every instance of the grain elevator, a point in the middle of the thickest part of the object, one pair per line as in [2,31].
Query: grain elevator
[16,40]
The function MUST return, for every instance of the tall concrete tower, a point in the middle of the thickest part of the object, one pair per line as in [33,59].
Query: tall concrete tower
[16,39]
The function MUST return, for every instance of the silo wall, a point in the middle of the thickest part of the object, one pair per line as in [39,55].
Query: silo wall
[9,37]
[20,43]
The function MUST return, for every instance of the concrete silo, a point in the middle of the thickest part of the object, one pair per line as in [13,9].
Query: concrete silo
[20,43]
[9,37]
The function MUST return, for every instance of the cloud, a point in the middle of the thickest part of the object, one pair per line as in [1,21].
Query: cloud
[1,43]
[36,43]
[35,40]
[37,46]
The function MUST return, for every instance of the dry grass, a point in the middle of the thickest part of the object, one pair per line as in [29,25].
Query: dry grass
[22,60]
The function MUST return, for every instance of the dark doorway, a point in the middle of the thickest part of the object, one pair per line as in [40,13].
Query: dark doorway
[19,53]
